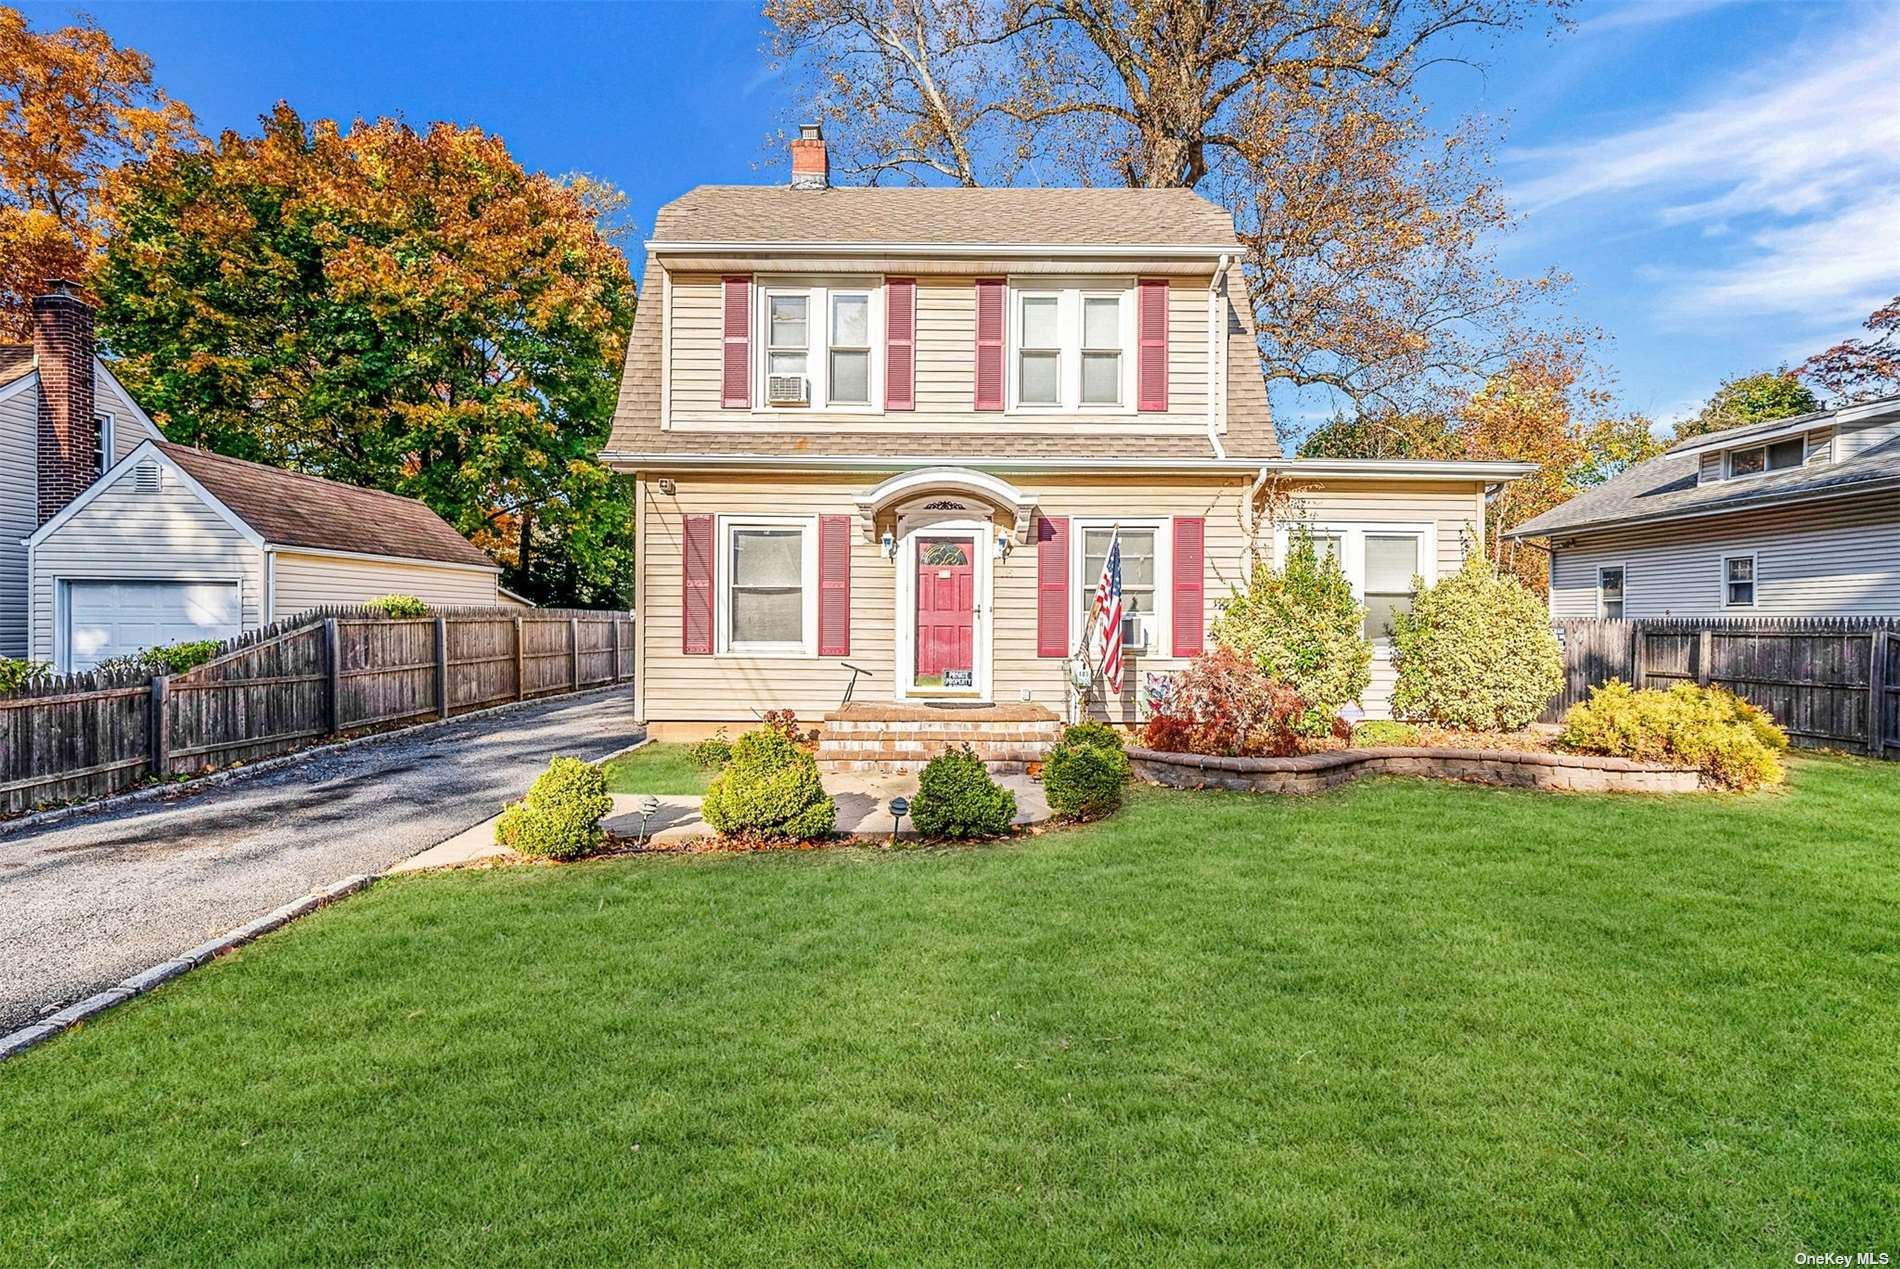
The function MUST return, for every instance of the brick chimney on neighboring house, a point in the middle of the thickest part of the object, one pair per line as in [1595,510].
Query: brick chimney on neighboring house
[811,169]
[69,432]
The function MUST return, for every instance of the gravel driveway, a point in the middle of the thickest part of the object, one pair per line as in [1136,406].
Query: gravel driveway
[88,901]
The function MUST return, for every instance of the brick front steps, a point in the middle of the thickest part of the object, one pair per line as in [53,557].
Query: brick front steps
[866,736]
[1311,773]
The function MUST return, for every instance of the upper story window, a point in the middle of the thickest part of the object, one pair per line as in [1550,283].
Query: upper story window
[819,347]
[1765,458]
[104,424]
[1069,347]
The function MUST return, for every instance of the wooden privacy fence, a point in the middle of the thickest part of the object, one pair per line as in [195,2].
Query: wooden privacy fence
[325,672]
[1829,681]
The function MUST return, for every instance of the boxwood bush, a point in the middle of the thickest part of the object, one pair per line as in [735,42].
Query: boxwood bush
[1732,743]
[560,817]
[1476,652]
[769,791]
[1084,775]
[1091,733]
[1301,626]
[956,798]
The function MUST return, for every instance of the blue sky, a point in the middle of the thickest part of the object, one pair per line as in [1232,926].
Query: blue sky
[1722,179]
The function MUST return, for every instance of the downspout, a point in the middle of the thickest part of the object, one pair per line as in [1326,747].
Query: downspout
[1253,493]
[1216,389]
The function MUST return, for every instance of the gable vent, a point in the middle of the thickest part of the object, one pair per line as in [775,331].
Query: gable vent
[147,478]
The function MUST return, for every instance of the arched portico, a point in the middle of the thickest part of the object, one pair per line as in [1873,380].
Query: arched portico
[914,493]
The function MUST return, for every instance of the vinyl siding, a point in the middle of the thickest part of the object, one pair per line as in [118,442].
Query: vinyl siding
[316,581]
[675,687]
[128,430]
[1854,441]
[945,372]
[1839,558]
[123,534]
[19,512]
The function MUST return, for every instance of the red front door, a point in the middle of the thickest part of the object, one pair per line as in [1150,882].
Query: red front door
[946,613]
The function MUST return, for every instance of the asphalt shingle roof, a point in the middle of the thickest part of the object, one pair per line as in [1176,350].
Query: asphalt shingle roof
[943,216]
[291,509]
[1667,485]
[16,360]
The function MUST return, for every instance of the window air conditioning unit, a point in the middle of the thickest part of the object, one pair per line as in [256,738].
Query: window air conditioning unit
[787,390]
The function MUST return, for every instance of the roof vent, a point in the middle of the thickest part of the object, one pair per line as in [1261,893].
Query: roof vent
[147,478]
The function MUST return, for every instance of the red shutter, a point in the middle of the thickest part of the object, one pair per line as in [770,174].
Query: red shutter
[1052,586]
[735,379]
[834,586]
[900,344]
[990,326]
[1151,337]
[696,620]
[1190,584]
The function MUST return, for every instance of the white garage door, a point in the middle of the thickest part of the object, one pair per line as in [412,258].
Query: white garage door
[109,619]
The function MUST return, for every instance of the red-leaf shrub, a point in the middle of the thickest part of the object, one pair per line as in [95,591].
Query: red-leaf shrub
[1223,704]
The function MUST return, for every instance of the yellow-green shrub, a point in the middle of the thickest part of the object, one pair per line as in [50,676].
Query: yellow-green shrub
[1475,652]
[1732,743]
[560,817]
[769,789]
[1382,731]
[399,606]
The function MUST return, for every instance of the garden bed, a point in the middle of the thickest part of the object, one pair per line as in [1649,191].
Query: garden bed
[1315,772]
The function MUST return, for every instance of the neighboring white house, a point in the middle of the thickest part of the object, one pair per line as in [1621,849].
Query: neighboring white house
[113,540]
[1798,517]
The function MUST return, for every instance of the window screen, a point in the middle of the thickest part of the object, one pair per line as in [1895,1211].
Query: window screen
[767,594]
[1391,564]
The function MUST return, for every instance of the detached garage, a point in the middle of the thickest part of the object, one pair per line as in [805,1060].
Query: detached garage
[175,544]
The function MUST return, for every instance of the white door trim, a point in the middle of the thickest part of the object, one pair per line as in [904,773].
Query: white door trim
[981,534]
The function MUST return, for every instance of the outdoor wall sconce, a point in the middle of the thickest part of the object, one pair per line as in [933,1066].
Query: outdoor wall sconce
[900,807]
[667,486]
[888,545]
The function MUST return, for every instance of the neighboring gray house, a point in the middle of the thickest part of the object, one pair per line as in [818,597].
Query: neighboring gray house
[1798,517]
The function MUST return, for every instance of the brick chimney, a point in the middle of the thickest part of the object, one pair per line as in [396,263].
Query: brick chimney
[811,169]
[69,437]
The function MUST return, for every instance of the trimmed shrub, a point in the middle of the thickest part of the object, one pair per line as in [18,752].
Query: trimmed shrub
[560,817]
[1084,781]
[1091,733]
[1732,743]
[769,790]
[15,675]
[1302,626]
[956,798]
[1381,731]
[712,753]
[399,606]
[1476,652]
[1224,704]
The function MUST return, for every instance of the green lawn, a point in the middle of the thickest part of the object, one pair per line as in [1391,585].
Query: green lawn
[1401,1023]
[661,767]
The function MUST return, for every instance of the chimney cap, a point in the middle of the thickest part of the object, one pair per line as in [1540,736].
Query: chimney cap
[62,287]
[811,132]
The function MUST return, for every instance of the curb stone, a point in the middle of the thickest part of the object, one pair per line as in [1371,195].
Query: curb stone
[146,979]
[263,766]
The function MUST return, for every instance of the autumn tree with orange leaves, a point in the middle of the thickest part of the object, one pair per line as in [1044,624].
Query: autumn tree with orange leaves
[398,309]
[1367,231]
[73,106]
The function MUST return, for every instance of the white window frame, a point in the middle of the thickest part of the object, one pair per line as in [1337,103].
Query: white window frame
[817,293]
[1728,458]
[1754,579]
[807,643]
[868,348]
[1082,582]
[108,428]
[1602,603]
[1352,535]
[1068,294]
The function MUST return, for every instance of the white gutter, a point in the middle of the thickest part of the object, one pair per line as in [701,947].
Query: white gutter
[858,247]
[1336,469]
[1215,385]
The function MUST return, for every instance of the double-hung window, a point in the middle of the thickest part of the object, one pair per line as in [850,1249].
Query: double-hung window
[1039,360]
[769,570]
[827,336]
[787,334]
[1141,619]
[1610,591]
[1738,581]
[104,424]
[850,368]
[1101,350]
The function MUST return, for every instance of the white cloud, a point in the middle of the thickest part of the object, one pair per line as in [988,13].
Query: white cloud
[1633,13]
[1796,162]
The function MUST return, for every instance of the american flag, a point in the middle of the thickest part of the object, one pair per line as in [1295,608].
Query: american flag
[1108,606]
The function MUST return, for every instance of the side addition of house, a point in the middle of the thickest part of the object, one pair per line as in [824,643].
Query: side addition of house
[1798,517]
[890,434]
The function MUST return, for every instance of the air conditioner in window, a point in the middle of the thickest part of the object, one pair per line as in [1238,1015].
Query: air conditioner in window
[1134,634]
[787,390]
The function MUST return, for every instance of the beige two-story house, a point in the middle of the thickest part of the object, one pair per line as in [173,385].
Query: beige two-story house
[883,439]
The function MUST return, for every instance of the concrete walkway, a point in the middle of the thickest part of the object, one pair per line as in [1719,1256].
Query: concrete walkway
[863,800]
[87,901]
